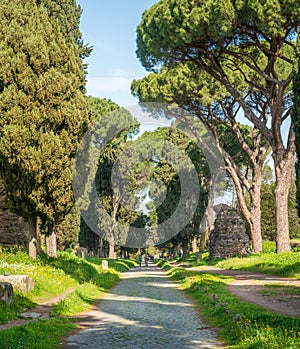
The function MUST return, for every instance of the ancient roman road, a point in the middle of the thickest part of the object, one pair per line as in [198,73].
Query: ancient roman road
[146,310]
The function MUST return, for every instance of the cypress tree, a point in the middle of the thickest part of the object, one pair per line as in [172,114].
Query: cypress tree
[67,14]
[43,113]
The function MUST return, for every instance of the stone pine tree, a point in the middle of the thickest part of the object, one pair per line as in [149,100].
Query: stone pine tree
[43,113]
[195,91]
[160,179]
[296,122]
[111,195]
[93,237]
[248,47]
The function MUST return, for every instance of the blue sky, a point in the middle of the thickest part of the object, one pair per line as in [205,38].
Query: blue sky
[110,27]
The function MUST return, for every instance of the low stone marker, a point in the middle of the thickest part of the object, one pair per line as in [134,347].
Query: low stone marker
[6,293]
[81,252]
[105,264]
[22,283]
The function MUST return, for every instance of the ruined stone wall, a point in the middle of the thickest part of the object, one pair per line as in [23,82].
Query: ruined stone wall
[228,238]
[13,229]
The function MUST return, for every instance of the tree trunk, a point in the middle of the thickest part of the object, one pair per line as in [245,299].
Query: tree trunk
[207,224]
[253,214]
[112,253]
[51,245]
[194,244]
[33,244]
[175,250]
[39,237]
[283,171]
[255,211]
[101,253]
[185,249]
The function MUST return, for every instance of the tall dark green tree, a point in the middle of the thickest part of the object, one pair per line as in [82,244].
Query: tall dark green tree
[43,113]
[109,196]
[67,14]
[246,46]
[95,244]
[67,231]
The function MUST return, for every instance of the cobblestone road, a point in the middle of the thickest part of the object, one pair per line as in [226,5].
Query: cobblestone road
[146,310]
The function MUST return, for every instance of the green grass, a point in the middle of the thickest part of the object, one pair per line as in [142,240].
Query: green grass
[77,301]
[242,325]
[9,312]
[41,334]
[284,264]
[53,276]
[278,289]
[120,265]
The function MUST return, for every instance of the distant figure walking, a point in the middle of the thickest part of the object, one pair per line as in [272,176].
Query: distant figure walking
[140,258]
[146,258]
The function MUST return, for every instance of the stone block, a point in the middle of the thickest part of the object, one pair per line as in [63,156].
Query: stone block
[105,264]
[22,283]
[6,293]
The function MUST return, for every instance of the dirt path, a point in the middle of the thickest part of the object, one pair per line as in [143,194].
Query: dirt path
[40,311]
[253,288]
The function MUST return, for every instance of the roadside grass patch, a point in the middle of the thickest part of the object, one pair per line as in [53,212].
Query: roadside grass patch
[53,276]
[11,311]
[44,334]
[284,264]
[242,325]
[85,294]
[77,301]
[120,265]
[278,289]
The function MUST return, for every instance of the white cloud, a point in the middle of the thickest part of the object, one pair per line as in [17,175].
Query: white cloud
[106,85]
[115,88]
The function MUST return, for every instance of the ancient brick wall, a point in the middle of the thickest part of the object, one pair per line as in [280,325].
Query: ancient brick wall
[228,238]
[13,229]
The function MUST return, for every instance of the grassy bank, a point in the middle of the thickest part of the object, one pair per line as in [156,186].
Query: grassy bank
[283,264]
[242,325]
[53,276]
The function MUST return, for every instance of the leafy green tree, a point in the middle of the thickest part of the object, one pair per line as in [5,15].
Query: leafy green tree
[164,185]
[247,47]
[112,195]
[68,230]
[109,196]
[194,91]
[67,14]
[43,114]
[97,107]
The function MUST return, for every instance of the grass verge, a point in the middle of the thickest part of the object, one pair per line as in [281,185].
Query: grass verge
[53,276]
[39,334]
[284,264]
[242,325]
